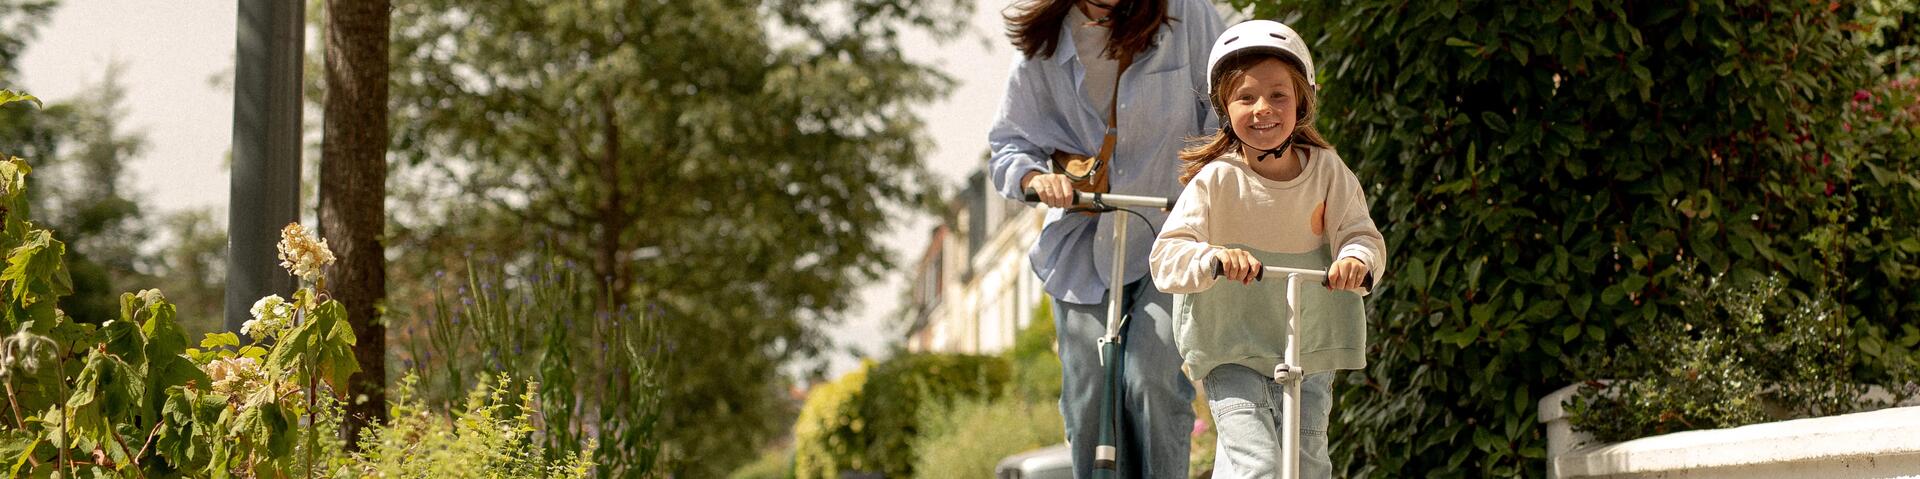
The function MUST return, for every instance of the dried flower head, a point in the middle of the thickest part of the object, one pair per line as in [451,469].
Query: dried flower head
[25,352]
[237,377]
[303,254]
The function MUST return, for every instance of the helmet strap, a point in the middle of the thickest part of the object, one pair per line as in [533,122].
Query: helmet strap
[1276,152]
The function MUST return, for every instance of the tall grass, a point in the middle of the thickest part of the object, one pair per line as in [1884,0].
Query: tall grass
[596,369]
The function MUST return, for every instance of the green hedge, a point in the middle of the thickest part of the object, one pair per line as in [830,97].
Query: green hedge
[1542,170]
[967,438]
[1036,367]
[867,419]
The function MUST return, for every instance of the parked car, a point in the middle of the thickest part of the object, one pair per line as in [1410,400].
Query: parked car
[1054,462]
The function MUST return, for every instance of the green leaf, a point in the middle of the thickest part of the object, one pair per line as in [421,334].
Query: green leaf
[1417,270]
[269,427]
[9,96]
[1473,150]
[1460,42]
[221,339]
[1612,295]
[123,339]
[1494,121]
[16,446]
[1634,283]
[37,269]
[322,345]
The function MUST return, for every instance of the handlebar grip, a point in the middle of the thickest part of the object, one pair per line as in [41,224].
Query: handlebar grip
[1033,196]
[1221,270]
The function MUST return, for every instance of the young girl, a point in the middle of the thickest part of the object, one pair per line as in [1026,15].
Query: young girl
[1266,190]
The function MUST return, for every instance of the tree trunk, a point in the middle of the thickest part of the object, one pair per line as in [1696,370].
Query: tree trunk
[353,175]
[613,220]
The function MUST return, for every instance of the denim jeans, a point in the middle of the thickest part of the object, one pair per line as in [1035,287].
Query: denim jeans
[1248,419]
[1157,422]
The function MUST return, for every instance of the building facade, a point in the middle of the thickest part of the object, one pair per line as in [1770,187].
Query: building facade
[973,288]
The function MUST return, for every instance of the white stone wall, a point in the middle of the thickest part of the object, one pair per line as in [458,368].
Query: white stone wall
[1877,444]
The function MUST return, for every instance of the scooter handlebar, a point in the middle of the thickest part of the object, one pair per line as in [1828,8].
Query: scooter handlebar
[1082,198]
[1220,270]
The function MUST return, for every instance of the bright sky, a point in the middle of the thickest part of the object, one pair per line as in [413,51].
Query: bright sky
[177,66]
[171,53]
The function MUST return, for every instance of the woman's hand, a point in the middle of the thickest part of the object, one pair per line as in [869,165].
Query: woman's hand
[1346,274]
[1238,265]
[1054,189]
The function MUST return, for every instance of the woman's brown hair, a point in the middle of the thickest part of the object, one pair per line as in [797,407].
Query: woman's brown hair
[1034,26]
[1223,141]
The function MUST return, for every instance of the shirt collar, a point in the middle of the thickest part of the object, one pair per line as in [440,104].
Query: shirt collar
[1064,49]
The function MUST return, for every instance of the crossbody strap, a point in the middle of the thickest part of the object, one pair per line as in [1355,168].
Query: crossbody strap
[1110,140]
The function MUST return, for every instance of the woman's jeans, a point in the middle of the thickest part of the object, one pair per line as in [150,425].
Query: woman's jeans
[1158,419]
[1248,418]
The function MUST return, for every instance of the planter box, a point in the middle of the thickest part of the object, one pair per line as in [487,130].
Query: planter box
[1877,444]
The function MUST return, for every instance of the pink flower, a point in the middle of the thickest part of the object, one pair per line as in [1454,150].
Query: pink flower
[1199,426]
[1862,95]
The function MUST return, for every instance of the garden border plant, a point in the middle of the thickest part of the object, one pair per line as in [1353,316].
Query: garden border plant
[126,397]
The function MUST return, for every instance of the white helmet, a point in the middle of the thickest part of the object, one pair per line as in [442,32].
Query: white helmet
[1259,36]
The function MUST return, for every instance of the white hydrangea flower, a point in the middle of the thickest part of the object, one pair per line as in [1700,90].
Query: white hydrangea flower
[271,315]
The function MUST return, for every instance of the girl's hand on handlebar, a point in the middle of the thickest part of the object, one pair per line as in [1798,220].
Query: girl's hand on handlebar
[1054,189]
[1238,265]
[1346,274]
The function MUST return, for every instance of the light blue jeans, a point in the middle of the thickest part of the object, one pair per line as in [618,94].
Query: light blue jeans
[1248,419]
[1158,421]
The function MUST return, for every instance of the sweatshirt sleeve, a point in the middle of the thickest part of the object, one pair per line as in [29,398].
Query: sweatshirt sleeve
[1354,234]
[1182,258]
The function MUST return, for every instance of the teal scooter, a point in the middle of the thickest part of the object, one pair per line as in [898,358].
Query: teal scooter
[1107,454]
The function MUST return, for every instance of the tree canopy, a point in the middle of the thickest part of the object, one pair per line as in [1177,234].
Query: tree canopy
[725,165]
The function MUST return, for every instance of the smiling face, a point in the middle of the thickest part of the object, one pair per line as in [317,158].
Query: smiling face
[1263,102]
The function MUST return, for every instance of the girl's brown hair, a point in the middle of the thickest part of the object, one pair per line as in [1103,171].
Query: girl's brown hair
[1223,141]
[1034,26]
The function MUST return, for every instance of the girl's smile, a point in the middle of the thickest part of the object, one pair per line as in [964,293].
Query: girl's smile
[1262,107]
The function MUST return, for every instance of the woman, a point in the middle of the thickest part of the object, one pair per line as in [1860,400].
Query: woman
[1141,65]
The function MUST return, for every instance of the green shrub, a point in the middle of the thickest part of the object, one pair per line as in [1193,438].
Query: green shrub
[968,437]
[491,435]
[1741,354]
[867,419]
[777,464]
[1541,170]
[1036,367]
[129,398]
